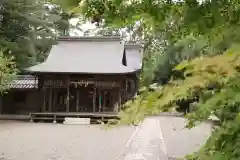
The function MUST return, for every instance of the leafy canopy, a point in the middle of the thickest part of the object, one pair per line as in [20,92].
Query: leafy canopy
[26,28]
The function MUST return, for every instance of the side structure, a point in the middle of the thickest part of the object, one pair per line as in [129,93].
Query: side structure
[87,74]
[22,95]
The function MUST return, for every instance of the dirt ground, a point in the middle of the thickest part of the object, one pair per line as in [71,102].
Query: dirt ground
[47,141]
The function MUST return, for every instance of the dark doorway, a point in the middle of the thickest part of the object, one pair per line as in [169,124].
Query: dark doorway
[81,99]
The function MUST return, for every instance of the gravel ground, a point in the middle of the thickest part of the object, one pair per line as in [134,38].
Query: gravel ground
[180,141]
[46,141]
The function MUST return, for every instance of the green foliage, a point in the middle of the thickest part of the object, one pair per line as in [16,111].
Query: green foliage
[26,30]
[145,104]
[214,83]
[160,65]
[7,71]
[224,142]
[199,74]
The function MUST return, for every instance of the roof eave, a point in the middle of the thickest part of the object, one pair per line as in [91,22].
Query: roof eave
[132,46]
[105,73]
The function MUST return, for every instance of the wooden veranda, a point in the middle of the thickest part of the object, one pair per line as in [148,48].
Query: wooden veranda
[95,117]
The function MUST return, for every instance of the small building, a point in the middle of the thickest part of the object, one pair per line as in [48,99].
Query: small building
[80,75]
[23,96]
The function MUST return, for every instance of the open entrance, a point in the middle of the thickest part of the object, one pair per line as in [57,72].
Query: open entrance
[55,99]
[106,100]
[81,99]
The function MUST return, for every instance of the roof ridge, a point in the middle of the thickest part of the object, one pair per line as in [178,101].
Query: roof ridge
[89,38]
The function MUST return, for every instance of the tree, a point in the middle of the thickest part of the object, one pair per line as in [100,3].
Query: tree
[24,26]
[7,72]
[28,29]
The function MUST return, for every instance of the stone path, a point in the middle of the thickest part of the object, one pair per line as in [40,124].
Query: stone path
[147,143]
[164,138]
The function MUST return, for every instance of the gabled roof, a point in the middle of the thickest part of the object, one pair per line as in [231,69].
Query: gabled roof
[97,55]
[134,55]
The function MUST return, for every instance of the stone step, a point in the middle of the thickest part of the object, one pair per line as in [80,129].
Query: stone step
[69,120]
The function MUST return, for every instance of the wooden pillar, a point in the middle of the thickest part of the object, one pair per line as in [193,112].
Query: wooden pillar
[94,99]
[54,107]
[125,89]
[137,83]
[112,100]
[120,101]
[103,101]
[115,97]
[99,100]
[50,100]
[67,99]
[77,102]
[68,96]
[44,100]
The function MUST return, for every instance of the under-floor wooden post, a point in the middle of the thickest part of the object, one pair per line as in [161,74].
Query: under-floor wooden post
[54,119]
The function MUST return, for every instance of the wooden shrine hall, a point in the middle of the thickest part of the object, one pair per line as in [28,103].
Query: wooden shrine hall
[86,76]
